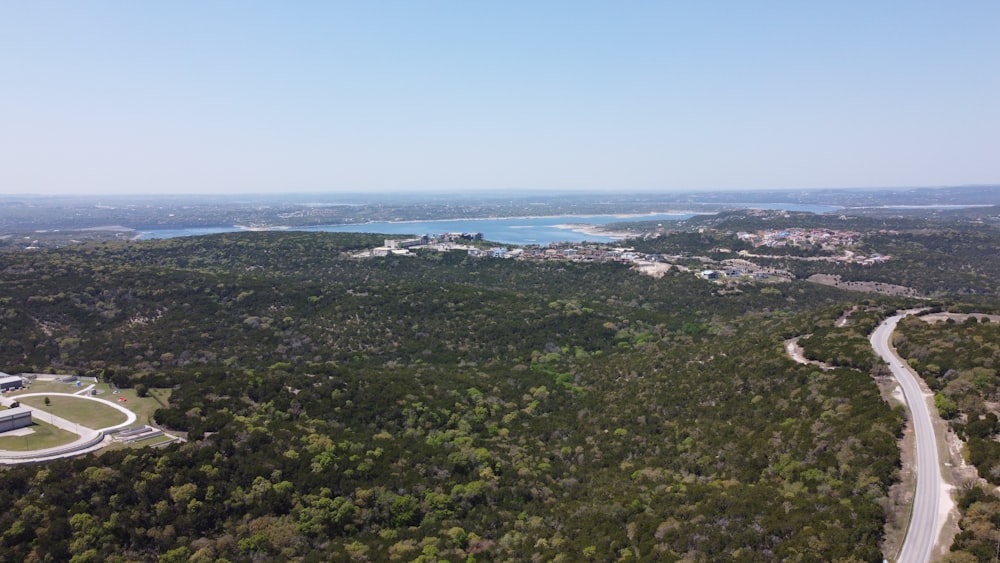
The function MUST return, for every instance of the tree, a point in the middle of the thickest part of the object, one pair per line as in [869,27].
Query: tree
[47,401]
[946,407]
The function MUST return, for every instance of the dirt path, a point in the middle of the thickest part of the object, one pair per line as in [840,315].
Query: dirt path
[794,352]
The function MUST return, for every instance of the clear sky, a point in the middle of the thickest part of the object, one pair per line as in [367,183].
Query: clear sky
[247,97]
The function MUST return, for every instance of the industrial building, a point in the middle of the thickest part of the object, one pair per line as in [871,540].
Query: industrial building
[9,382]
[12,419]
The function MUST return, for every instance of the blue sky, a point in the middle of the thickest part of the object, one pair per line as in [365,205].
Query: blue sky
[252,97]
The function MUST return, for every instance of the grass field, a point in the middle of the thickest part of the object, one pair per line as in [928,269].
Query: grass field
[44,436]
[46,387]
[89,414]
[143,408]
[77,409]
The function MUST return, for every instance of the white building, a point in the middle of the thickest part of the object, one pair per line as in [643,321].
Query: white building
[12,419]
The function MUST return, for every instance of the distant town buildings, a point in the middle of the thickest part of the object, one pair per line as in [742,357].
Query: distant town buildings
[827,239]
[401,247]
[829,245]
[459,237]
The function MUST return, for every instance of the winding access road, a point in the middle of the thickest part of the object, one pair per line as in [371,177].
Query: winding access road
[89,440]
[927,518]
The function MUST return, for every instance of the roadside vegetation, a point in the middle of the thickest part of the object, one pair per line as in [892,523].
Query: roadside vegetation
[958,360]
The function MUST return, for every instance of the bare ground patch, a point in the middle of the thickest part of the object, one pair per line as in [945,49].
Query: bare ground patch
[795,352]
[957,317]
[864,286]
[655,269]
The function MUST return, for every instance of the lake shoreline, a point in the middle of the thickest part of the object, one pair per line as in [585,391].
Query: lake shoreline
[504,218]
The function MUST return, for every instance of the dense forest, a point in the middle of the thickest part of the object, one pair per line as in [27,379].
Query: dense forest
[446,407]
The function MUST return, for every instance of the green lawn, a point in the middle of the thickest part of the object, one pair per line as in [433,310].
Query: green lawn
[44,436]
[92,414]
[46,387]
[144,407]
[154,441]
[77,409]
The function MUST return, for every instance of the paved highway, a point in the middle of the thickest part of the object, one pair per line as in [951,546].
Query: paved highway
[926,521]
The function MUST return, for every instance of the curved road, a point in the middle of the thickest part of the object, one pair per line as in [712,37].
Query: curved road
[80,446]
[130,416]
[926,520]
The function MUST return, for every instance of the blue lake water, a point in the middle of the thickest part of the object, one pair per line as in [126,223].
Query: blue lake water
[508,230]
[520,230]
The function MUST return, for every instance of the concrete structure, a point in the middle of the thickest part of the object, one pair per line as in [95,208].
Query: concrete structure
[9,382]
[90,440]
[456,237]
[405,243]
[12,419]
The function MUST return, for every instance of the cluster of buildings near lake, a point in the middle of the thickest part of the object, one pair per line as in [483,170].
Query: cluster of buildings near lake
[834,245]
[652,264]
[827,239]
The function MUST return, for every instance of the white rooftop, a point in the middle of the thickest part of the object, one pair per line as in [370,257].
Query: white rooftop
[11,413]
